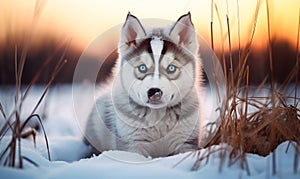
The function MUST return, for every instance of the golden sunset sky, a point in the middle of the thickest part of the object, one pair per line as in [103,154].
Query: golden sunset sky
[83,20]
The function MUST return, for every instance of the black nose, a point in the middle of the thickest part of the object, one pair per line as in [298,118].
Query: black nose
[154,94]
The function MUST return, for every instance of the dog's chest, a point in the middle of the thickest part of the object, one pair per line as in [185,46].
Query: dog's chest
[153,126]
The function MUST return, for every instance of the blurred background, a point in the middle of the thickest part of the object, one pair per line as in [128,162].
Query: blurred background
[39,29]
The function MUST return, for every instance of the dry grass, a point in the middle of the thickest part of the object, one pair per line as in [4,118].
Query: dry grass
[250,123]
[15,125]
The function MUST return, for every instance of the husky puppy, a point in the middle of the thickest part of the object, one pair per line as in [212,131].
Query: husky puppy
[152,104]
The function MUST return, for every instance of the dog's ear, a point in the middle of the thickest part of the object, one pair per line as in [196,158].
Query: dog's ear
[183,33]
[132,31]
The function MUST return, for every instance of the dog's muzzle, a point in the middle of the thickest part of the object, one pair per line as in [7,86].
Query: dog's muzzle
[154,94]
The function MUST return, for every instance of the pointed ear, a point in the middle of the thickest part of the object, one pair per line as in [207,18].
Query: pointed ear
[132,30]
[183,33]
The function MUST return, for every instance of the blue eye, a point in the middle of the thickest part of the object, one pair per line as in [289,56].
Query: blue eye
[142,68]
[171,69]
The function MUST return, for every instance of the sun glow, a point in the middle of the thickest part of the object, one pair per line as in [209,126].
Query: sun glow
[82,21]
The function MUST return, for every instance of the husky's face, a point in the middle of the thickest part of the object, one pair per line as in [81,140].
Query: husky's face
[158,67]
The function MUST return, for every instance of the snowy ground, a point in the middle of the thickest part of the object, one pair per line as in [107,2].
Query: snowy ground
[66,147]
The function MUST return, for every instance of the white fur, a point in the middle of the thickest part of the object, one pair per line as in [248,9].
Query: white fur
[157,47]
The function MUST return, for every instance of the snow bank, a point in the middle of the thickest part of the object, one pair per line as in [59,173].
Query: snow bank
[120,164]
[66,148]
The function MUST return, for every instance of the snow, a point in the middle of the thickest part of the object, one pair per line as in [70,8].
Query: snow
[67,148]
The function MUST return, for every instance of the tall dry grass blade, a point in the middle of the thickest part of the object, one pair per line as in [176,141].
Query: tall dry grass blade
[16,73]
[30,161]
[21,67]
[232,76]
[225,103]
[270,54]
[15,137]
[261,85]
[2,111]
[16,133]
[229,43]
[183,159]
[245,164]
[252,29]
[286,83]
[6,123]
[20,150]
[297,59]
[4,151]
[222,157]
[211,25]
[247,50]
[212,46]
[12,151]
[239,33]
[227,92]
[247,93]
[16,145]
[15,127]
[222,40]
[274,170]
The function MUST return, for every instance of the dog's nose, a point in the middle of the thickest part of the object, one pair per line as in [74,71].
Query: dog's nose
[154,94]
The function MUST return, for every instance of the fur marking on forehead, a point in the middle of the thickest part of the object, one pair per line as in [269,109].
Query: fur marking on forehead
[157,45]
